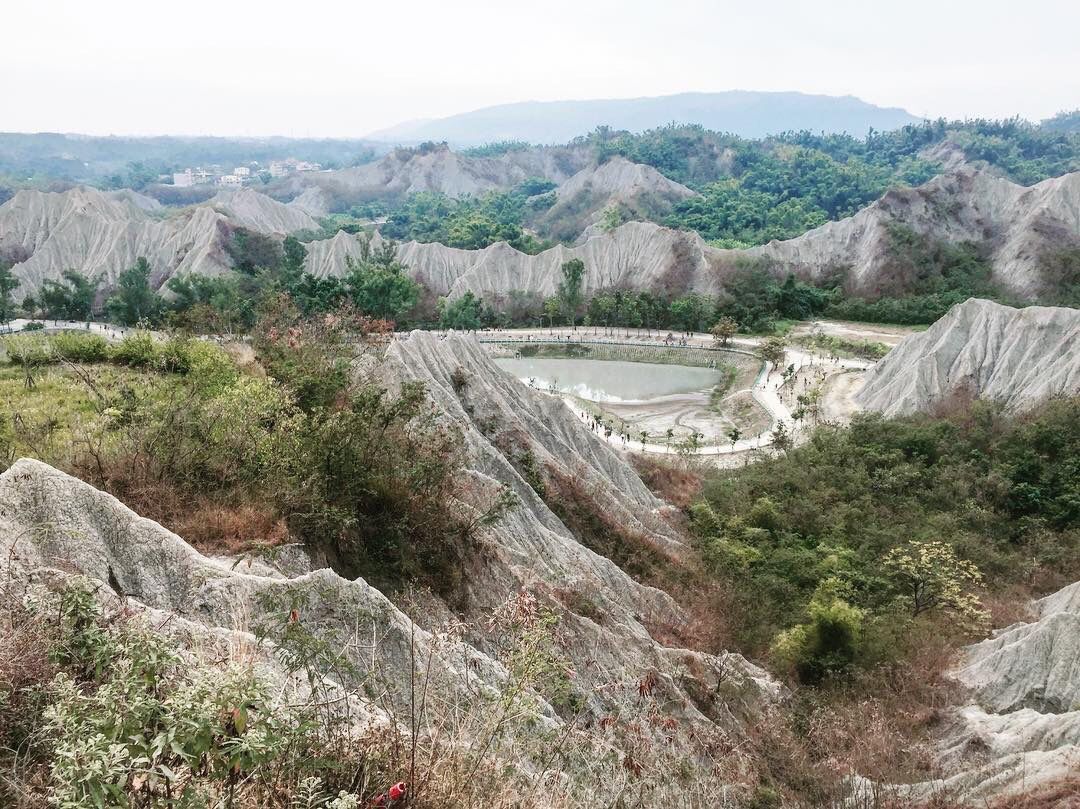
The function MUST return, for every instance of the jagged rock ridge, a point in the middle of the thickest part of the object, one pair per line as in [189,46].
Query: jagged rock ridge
[1021,229]
[250,209]
[607,617]
[636,255]
[1026,232]
[1019,357]
[635,190]
[100,235]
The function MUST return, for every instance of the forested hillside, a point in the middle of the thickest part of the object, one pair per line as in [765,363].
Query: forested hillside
[755,190]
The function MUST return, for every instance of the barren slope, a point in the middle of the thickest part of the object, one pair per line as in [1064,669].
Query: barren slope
[250,209]
[52,525]
[637,255]
[100,235]
[1022,229]
[637,191]
[1021,729]
[1016,356]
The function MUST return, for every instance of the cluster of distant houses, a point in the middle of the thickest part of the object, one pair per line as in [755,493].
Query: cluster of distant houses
[216,175]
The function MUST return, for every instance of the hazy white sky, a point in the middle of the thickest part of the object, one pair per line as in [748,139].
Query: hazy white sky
[345,68]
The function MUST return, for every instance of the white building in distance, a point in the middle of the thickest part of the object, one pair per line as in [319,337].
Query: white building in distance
[183,179]
[232,180]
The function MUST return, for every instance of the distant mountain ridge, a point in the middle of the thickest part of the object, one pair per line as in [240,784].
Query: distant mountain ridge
[741,112]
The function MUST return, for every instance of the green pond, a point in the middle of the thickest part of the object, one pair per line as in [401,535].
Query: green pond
[610,380]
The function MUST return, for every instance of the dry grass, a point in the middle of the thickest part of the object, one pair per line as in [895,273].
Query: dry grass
[213,523]
[25,666]
[1063,794]
[1009,606]
[670,480]
[231,529]
[580,510]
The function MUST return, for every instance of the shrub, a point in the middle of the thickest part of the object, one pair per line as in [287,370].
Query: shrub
[80,346]
[138,350]
[127,715]
[1002,488]
[826,644]
[207,366]
[27,350]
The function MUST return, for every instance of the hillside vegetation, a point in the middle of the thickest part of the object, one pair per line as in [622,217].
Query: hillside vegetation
[811,529]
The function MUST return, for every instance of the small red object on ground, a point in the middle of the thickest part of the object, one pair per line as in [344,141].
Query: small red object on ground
[392,796]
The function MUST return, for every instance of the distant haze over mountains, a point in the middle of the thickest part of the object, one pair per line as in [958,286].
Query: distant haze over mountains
[745,113]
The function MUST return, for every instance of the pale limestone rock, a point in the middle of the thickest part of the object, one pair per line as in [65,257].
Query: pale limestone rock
[100,235]
[1018,357]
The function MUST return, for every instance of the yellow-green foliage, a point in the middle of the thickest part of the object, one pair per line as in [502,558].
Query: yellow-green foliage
[828,642]
[79,347]
[44,421]
[63,393]
[930,576]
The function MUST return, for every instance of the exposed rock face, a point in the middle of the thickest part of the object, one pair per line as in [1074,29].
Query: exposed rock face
[1028,233]
[1034,666]
[312,201]
[141,201]
[1016,356]
[637,191]
[52,525]
[1022,729]
[1021,228]
[101,235]
[504,421]
[438,169]
[637,255]
[254,211]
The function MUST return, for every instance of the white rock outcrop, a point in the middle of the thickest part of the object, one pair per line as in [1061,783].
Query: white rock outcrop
[636,255]
[1026,232]
[1021,229]
[101,234]
[1021,730]
[504,421]
[250,209]
[53,526]
[637,191]
[1018,357]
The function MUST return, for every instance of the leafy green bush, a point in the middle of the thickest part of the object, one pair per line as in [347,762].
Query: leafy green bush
[828,642]
[128,716]
[137,350]
[80,346]
[998,494]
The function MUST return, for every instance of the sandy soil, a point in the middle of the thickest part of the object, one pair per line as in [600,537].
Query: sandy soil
[889,335]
